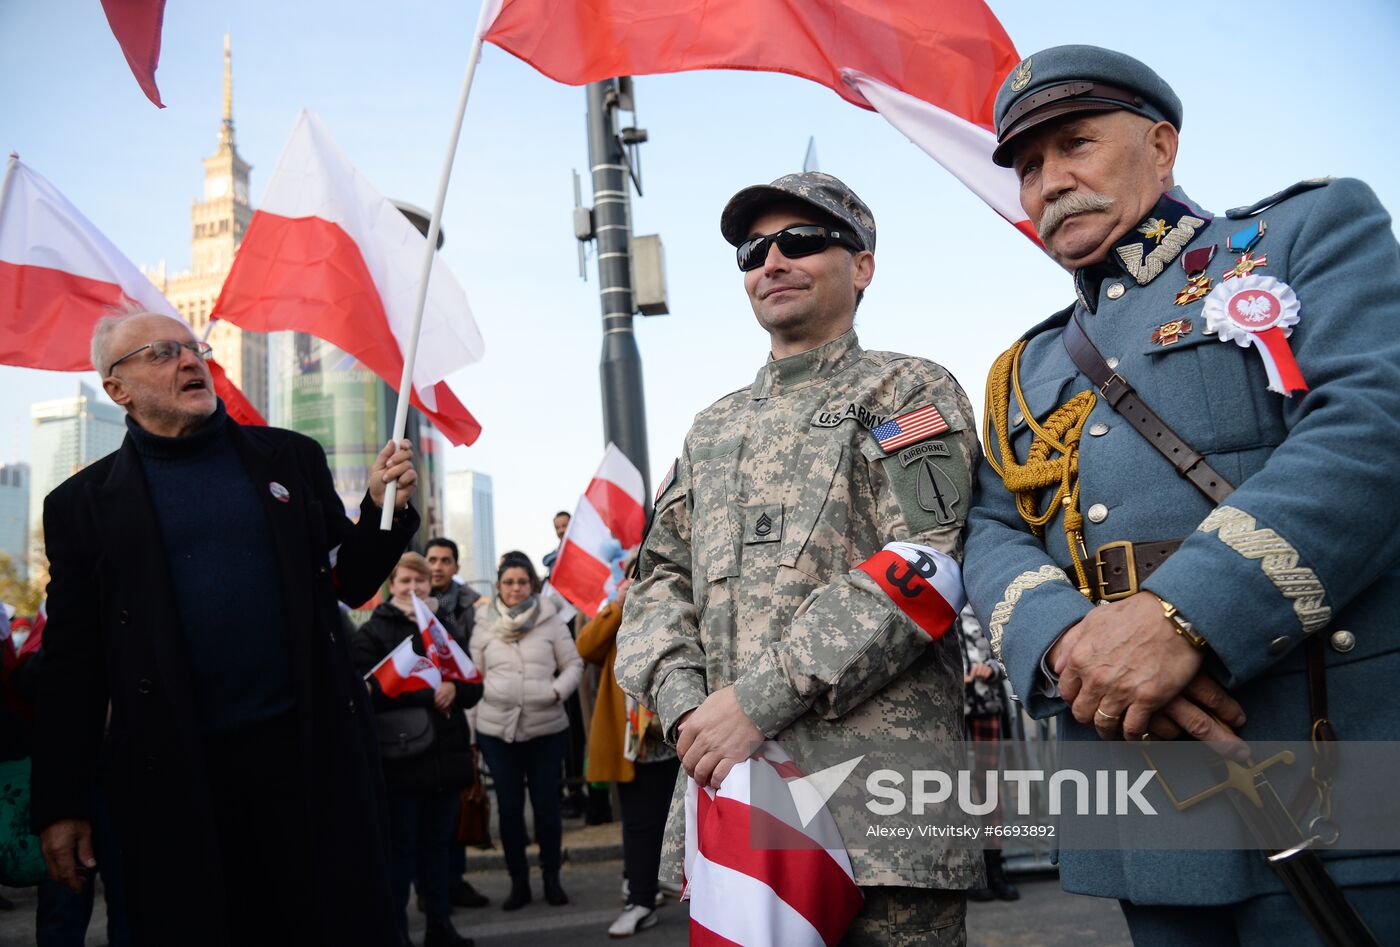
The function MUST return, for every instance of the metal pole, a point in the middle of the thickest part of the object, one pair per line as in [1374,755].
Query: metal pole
[386,518]
[624,410]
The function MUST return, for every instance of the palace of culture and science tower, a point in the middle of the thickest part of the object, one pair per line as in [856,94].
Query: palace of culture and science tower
[220,220]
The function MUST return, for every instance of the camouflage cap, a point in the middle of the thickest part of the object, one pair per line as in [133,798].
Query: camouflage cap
[825,193]
[1063,80]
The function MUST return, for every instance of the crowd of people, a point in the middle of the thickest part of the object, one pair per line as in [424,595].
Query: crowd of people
[509,730]
[203,728]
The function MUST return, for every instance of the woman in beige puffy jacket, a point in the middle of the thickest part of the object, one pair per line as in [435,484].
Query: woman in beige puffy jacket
[530,666]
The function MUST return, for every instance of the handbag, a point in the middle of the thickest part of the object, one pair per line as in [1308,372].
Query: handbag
[474,812]
[404,733]
[21,861]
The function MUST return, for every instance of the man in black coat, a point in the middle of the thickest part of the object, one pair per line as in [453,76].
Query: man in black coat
[195,664]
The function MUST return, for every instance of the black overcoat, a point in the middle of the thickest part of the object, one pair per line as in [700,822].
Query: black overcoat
[113,635]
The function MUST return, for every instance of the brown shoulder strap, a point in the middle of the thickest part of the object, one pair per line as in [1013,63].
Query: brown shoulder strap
[1122,398]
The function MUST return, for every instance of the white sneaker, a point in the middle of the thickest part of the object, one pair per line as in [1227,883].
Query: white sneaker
[633,918]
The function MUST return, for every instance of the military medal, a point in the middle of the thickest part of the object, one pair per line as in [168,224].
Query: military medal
[1259,311]
[1242,242]
[1198,282]
[1245,265]
[1169,333]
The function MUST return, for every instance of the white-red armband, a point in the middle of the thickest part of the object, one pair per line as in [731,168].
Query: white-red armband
[925,583]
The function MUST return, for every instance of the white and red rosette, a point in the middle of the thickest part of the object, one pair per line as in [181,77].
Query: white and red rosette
[1259,311]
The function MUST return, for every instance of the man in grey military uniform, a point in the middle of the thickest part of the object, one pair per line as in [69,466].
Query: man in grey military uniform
[1128,587]
[752,618]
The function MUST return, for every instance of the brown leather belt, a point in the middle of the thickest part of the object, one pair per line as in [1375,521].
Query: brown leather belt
[1120,568]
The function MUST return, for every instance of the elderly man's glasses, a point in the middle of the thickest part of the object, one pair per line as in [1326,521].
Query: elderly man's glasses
[793,242]
[165,349]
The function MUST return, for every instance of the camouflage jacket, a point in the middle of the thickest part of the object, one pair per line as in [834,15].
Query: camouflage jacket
[747,575]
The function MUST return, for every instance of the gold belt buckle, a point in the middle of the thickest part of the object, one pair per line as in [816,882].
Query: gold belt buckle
[1130,562]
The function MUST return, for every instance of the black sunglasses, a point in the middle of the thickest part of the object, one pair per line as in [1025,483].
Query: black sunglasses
[793,242]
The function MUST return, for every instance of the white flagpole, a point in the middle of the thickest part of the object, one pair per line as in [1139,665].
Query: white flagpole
[488,13]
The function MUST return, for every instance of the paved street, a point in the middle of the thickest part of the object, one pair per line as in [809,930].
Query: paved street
[1044,917]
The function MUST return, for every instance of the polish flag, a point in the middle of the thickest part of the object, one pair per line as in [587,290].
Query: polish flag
[443,651]
[136,25]
[404,670]
[605,527]
[924,583]
[328,255]
[757,871]
[930,67]
[59,275]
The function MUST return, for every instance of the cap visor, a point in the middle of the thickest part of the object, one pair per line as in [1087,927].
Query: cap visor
[743,207]
[1006,150]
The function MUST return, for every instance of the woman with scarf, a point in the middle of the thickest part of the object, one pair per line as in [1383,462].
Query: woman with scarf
[530,666]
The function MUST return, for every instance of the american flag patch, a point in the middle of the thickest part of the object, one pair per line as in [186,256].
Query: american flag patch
[908,428]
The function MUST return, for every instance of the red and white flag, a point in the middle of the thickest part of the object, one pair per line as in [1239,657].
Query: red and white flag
[930,67]
[924,583]
[607,524]
[59,275]
[442,650]
[764,864]
[328,255]
[404,670]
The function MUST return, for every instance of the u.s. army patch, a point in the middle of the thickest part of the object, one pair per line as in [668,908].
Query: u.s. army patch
[931,483]
[936,493]
[851,412]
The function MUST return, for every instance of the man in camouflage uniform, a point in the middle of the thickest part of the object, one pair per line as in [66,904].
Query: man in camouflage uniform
[751,619]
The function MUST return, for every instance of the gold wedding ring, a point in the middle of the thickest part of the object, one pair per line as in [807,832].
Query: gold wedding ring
[1099,713]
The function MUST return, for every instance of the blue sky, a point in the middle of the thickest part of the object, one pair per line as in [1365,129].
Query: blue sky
[1273,92]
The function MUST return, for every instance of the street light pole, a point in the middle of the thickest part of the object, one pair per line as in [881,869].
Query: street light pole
[624,407]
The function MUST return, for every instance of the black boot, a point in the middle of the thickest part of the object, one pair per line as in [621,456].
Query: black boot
[553,891]
[996,879]
[443,934]
[519,893]
[463,895]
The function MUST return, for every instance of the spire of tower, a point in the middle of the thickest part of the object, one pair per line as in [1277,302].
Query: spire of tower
[226,130]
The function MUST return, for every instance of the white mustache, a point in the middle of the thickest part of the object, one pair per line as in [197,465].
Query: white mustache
[1075,202]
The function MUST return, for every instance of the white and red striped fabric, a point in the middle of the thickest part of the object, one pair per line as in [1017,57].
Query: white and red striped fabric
[59,275]
[328,255]
[930,67]
[404,670]
[924,583]
[606,525]
[755,874]
[445,653]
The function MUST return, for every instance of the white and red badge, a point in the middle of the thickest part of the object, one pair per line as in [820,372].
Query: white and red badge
[1259,311]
